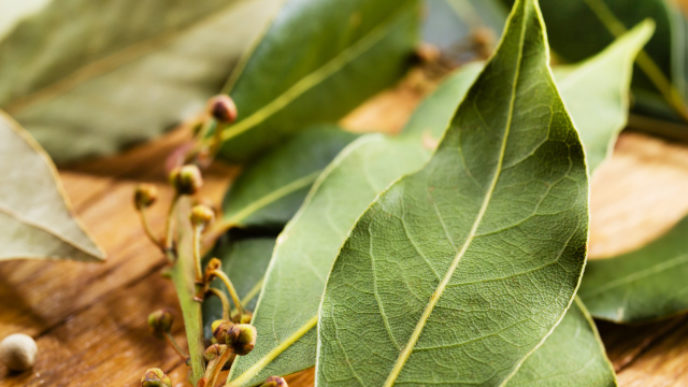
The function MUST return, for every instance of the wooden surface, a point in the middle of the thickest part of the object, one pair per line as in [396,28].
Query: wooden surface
[89,320]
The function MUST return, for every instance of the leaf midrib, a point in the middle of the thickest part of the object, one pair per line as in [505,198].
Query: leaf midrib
[437,294]
[314,78]
[111,62]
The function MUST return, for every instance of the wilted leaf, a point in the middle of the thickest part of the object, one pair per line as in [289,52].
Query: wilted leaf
[470,263]
[245,262]
[87,78]
[573,355]
[644,284]
[269,191]
[35,218]
[317,61]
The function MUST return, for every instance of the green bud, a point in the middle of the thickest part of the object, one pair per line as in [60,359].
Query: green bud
[221,329]
[214,351]
[154,377]
[160,322]
[223,109]
[145,195]
[274,381]
[186,180]
[201,215]
[243,318]
[242,338]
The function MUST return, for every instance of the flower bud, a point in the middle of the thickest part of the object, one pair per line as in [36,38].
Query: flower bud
[201,215]
[213,264]
[187,180]
[145,195]
[18,352]
[274,381]
[242,338]
[244,318]
[160,322]
[221,329]
[154,377]
[223,109]
[214,351]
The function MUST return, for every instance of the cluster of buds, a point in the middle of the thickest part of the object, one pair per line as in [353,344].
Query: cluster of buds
[241,338]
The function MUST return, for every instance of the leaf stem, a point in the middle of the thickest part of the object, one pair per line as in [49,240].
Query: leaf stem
[230,287]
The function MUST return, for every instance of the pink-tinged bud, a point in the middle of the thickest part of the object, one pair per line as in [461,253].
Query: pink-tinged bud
[214,351]
[223,109]
[274,381]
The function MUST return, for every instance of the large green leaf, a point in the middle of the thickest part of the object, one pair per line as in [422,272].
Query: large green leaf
[269,191]
[87,78]
[573,355]
[310,241]
[457,273]
[343,192]
[597,92]
[317,61]
[35,219]
[644,284]
[578,29]
[244,261]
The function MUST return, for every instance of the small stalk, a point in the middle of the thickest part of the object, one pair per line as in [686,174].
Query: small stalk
[232,291]
[147,229]
[196,235]
[213,371]
[173,343]
[169,225]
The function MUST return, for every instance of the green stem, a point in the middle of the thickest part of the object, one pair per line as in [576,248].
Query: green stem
[230,287]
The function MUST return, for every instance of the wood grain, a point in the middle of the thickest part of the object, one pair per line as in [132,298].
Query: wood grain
[89,319]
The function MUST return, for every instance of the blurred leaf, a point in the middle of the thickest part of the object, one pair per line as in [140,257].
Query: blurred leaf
[578,29]
[270,190]
[317,61]
[644,284]
[245,262]
[597,92]
[573,355]
[35,216]
[456,273]
[87,78]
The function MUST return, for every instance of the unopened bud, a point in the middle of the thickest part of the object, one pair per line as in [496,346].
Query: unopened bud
[214,351]
[221,330]
[274,381]
[160,322]
[223,109]
[242,338]
[154,377]
[145,195]
[244,318]
[213,264]
[187,180]
[201,215]
[18,352]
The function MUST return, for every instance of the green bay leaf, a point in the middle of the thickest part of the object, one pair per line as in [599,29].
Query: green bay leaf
[317,61]
[573,355]
[35,216]
[470,263]
[87,79]
[270,190]
[643,284]
[342,193]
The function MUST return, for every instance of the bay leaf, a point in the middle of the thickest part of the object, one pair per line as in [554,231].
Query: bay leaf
[457,273]
[317,61]
[578,29]
[270,190]
[87,79]
[311,240]
[332,209]
[643,284]
[36,219]
[573,355]
[244,261]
